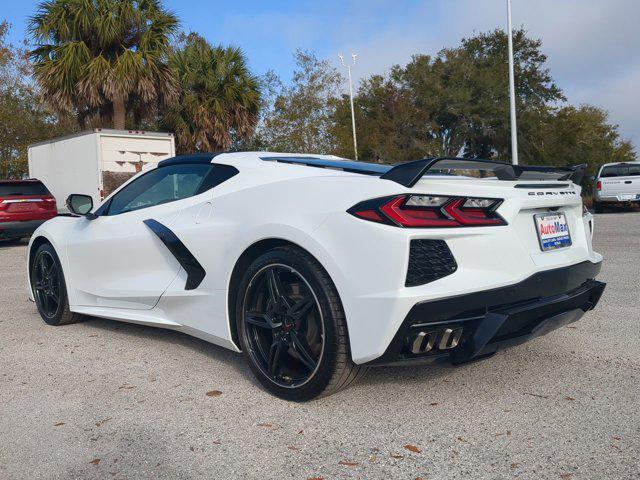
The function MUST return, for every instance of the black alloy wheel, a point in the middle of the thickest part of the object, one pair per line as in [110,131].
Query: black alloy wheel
[283,325]
[46,284]
[292,328]
[49,288]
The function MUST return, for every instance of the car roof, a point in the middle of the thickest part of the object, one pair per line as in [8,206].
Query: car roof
[329,164]
[635,162]
[191,158]
[267,159]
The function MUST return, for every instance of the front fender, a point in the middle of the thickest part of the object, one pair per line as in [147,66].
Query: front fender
[55,232]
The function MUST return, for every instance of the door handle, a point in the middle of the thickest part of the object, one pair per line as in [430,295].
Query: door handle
[627,181]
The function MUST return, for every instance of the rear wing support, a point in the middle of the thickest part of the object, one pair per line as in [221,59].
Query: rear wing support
[409,173]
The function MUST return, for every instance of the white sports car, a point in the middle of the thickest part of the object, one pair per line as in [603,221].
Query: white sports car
[317,267]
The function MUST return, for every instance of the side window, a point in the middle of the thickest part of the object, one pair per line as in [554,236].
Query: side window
[634,170]
[219,173]
[161,185]
[613,171]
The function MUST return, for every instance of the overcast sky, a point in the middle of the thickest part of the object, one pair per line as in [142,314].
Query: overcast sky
[593,45]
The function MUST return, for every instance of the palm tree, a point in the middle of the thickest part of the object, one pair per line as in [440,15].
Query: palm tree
[219,98]
[95,57]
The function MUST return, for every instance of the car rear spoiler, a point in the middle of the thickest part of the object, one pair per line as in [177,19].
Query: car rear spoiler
[408,174]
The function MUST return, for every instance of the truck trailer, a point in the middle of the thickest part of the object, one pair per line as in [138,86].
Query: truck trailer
[96,162]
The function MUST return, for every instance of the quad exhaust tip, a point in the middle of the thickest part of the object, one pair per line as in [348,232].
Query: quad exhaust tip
[442,339]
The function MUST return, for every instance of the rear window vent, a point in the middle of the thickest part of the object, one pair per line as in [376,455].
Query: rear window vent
[429,260]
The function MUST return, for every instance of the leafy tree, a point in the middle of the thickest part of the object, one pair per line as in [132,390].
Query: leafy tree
[574,135]
[23,120]
[270,86]
[99,58]
[301,119]
[385,123]
[456,103]
[218,97]
[489,129]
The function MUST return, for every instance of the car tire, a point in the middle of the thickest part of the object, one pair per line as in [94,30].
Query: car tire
[322,365]
[48,285]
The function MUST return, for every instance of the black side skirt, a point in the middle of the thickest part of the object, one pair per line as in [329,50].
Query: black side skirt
[195,271]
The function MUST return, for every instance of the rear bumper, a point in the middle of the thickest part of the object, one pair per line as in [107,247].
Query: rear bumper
[19,229]
[480,323]
[617,199]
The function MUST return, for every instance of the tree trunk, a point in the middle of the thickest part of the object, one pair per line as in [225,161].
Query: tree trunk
[119,113]
[106,116]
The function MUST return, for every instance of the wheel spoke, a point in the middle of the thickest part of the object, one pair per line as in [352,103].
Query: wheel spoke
[54,296]
[48,265]
[52,271]
[301,308]
[43,267]
[45,301]
[272,284]
[261,320]
[303,352]
[274,356]
[276,289]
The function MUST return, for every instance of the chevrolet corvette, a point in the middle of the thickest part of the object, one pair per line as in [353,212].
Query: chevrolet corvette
[317,268]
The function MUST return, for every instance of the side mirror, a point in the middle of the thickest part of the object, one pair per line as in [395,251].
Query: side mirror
[81,205]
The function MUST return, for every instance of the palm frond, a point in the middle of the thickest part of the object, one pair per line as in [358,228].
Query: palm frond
[219,97]
[90,52]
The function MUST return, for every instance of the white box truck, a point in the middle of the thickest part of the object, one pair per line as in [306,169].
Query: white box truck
[96,162]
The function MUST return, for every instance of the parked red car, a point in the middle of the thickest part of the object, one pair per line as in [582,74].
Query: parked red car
[24,205]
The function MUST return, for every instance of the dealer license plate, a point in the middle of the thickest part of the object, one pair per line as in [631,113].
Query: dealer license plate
[553,231]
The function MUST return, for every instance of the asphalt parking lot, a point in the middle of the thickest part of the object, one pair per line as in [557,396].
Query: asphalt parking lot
[103,399]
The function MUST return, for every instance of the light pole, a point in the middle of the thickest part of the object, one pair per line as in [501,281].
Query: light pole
[512,92]
[353,115]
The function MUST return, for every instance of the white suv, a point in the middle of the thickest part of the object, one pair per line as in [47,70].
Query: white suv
[617,183]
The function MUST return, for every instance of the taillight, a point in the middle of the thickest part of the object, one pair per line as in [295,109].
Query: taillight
[49,203]
[599,185]
[430,211]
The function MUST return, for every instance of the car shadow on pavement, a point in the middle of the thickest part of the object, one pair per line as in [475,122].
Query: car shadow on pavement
[619,209]
[383,375]
[410,375]
[173,337]
[387,381]
[7,244]
[390,384]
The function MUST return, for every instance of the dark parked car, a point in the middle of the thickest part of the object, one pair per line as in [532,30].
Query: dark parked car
[24,205]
